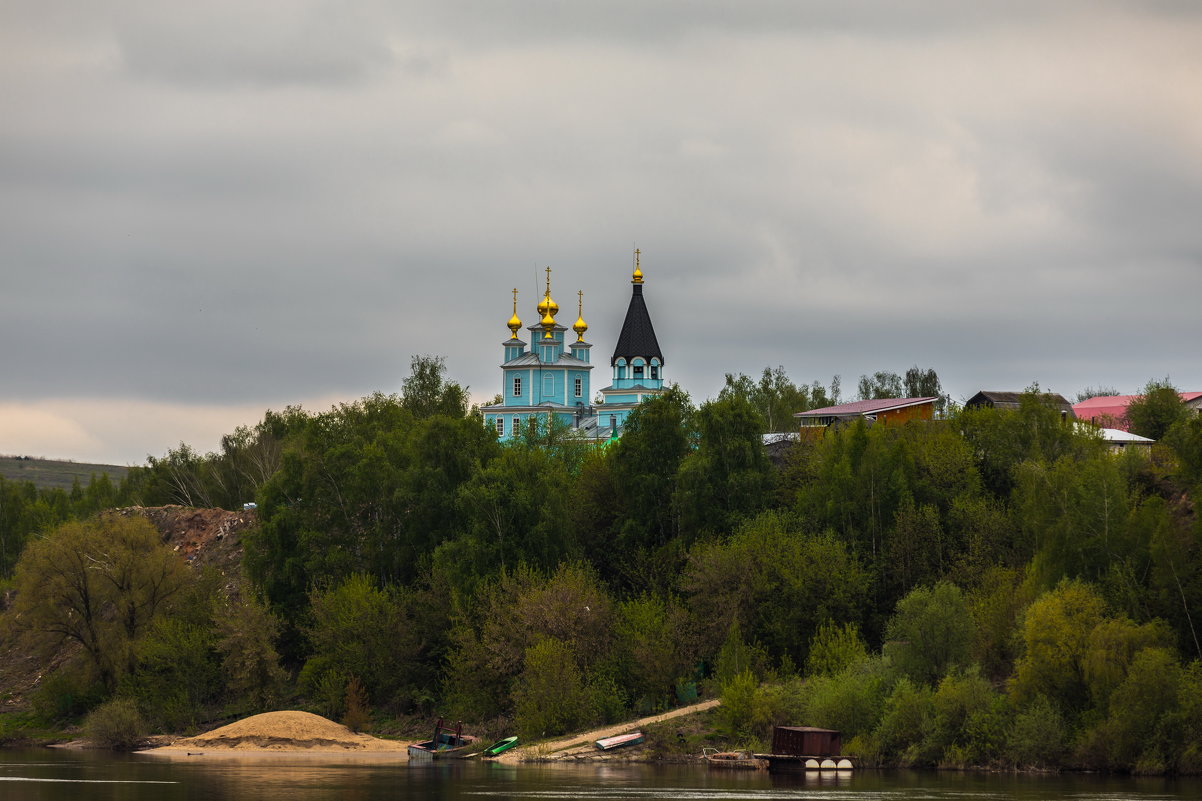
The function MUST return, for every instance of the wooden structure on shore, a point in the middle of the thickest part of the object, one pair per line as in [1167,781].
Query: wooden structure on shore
[797,749]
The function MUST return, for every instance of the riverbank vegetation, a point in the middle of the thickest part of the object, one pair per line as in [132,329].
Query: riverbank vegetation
[994,588]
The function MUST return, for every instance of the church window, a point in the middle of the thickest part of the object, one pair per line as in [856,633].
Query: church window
[517,386]
[638,371]
[548,384]
[654,371]
[500,426]
[579,388]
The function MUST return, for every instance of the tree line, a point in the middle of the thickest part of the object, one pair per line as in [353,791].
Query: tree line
[994,587]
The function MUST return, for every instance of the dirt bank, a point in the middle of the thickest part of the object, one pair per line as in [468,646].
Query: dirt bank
[580,747]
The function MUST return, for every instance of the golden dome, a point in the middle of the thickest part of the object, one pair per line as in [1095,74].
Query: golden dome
[514,323]
[637,277]
[548,322]
[580,326]
[548,306]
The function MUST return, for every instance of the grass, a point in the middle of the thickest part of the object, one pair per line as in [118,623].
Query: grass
[55,473]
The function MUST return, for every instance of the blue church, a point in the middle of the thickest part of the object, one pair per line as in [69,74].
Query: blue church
[552,378]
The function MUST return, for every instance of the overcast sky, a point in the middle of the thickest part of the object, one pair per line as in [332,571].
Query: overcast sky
[212,209]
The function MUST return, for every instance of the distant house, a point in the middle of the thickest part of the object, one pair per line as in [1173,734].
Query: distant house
[1110,411]
[885,411]
[1118,440]
[777,446]
[1011,400]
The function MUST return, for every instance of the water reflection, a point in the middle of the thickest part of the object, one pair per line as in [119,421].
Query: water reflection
[51,776]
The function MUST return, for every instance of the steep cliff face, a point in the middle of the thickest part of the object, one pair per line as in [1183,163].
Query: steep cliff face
[203,537]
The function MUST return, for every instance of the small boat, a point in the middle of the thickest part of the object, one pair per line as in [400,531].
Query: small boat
[610,743]
[499,746]
[728,760]
[445,744]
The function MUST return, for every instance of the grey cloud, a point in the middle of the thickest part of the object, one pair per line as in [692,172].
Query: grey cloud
[811,186]
[259,45]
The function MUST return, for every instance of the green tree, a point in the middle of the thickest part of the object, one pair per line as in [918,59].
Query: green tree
[1056,636]
[779,581]
[850,701]
[1155,410]
[651,635]
[967,721]
[1134,734]
[363,488]
[1002,438]
[775,397]
[100,583]
[359,630]
[491,636]
[1037,736]
[1113,645]
[514,510]
[426,392]
[247,633]
[1074,513]
[1100,391]
[905,720]
[833,648]
[628,525]
[922,383]
[931,632]
[728,476]
[997,604]
[1185,440]
[881,384]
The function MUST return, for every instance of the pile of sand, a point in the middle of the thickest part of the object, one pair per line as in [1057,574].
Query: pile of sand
[288,731]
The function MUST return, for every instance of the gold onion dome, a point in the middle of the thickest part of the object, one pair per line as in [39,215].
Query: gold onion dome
[515,322]
[637,277]
[547,306]
[580,326]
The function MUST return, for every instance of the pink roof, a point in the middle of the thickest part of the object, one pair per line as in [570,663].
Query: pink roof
[865,407]
[1114,408]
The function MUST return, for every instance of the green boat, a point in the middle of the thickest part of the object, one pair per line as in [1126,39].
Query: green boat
[499,746]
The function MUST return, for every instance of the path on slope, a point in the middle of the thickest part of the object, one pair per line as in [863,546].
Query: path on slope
[544,750]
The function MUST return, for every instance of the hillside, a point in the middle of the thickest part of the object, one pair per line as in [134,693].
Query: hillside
[54,473]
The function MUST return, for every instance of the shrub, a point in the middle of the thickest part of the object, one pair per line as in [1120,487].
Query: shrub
[66,693]
[851,701]
[931,632]
[833,648]
[115,724]
[906,718]
[1037,737]
[355,704]
[963,720]
[749,710]
[551,696]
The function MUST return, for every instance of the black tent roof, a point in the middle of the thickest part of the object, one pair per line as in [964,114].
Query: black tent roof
[638,335]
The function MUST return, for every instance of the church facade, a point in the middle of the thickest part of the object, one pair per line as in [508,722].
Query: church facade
[552,379]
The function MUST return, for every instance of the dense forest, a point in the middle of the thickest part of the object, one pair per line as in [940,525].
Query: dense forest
[992,588]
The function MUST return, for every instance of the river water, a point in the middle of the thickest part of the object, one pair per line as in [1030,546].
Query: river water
[53,775]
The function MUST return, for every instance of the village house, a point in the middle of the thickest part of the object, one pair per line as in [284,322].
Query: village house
[883,411]
[1110,411]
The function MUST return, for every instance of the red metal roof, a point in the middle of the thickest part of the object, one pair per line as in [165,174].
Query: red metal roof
[865,407]
[1114,408]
